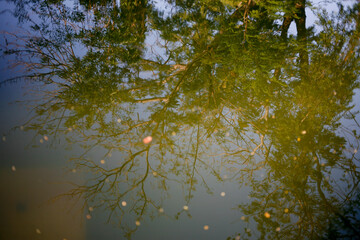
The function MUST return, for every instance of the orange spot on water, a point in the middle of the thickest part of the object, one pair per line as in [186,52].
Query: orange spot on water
[147,140]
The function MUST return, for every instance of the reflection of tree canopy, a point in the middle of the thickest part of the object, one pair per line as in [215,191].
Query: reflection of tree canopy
[209,80]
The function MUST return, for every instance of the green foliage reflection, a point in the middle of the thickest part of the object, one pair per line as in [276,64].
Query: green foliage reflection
[220,86]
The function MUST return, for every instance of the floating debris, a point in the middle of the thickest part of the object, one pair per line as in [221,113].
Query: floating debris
[295,158]
[298,139]
[206,227]
[21,128]
[237,237]
[46,138]
[41,141]
[286,210]
[173,133]
[4,138]
[273,116]
[102,161]
[123,203]
[355,150]
[147,140]
[303,132]
[91,209]
[222,194]
[161,210]
[186,208]
[278,229]
[137,223]
[334,93]
[243,218]
[118,120]
[155,174]
[74,170]
[88,216]
[267,215]
[38,231]
[13,168]
[227,134]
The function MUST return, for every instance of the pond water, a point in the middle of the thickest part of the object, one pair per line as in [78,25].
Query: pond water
[179,119]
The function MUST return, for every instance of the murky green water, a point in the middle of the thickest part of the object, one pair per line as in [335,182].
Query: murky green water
[180,120]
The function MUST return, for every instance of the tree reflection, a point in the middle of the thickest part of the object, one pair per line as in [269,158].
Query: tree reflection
[223,86]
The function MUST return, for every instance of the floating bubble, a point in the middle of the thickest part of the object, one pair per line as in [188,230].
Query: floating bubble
[161,210]
[355,150]
[273,116]
[123,203]
[303,132]
[88,216]
[21,128]
[298,139]
[38,231]
[173,133]
[243,218]
[186,208]
[267,215]
[118,120]
[102,161]
[227,134]
[46,138]
[13,168]
[278,229]
[41,140]
[147,140]
[295,158]
[222,194]
[91,209]
[237,237]
[137,223]
[155,174]
[206,227]
[286,210]
[74,170]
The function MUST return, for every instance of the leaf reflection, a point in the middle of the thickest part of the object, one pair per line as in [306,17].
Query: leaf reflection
[221,90]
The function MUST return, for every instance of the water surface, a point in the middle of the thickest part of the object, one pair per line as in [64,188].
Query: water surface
[180,120]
